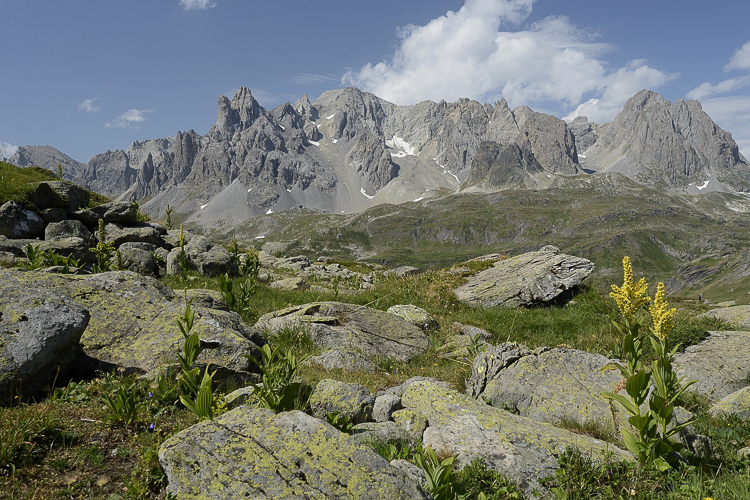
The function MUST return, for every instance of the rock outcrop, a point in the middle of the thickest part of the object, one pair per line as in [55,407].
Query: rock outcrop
[372,333]
[530,278]
[255,454]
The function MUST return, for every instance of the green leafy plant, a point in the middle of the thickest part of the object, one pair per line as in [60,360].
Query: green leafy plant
[35,257]
[59,171]
[250,265]
[278,391]
[196,391]
[140,216]
[124,405]
[478,480]
[182,258]
[102,251]
[442,482]
[340,421]
[237,299]
[168,222]
[652,442]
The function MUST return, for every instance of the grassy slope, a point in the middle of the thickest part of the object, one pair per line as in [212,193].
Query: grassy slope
[602,221]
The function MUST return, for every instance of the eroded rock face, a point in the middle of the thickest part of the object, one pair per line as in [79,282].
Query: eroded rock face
[720,364]
[368,331]
[530,278]
[252,453]
[520,448]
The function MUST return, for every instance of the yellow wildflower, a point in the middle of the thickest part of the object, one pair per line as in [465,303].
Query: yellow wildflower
[631,296]
[182,236]
[661,316]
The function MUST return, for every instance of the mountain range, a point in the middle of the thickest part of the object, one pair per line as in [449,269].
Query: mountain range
[349,150]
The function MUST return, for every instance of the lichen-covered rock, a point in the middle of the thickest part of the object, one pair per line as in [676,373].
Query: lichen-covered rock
[250,453]
[351,400]
[720,364]
[520,448]
[377,432]
[73,197]
[17,221]
[39,333]
[137,260]
[739,316]
[199,297]
[384,406]
[335,325]
[133,321]
[344,360]
[293,283]
[416,316]
[736,403]
[202,255]
[530,278]
[489,363]
[412,424]
[554,386]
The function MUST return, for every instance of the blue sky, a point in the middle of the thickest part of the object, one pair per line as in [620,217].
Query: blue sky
[86,76]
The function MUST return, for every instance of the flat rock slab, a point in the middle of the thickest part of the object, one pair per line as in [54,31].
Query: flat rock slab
[737,403]
[335,325]
[252,453]
[520,448]
[720,364]
[554,386]
[530,278]
[739,316]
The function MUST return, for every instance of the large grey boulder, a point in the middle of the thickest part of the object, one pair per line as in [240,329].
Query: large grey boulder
[551,385]
[17,221]
[39,334]
[521,449]
[415,315]
[138,232]
[73,246]
[720,364]
[368,331]
[530,278]
[202,255]
[69,228]
[119,212]
[344,360]
[252,453]
[137,260]
[133,321]
[736,403]
[72,196]
[351,400]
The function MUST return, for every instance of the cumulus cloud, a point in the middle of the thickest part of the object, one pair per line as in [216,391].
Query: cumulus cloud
[707,89]
[740,59]
[88,106]
[7,150]
[196,4]
[128,119]
[466,54]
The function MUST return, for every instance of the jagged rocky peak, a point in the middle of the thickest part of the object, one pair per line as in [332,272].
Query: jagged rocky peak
[305,109]
[368,157]
[239,113]
[350,111]
[48,157]
[286,116]
[584,133]
[676,145]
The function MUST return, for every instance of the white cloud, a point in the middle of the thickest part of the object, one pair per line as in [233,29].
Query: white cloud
[310,79]
[7,150]
[196,4]
[705,90]
[464,54]
[88,106]
[732,114]
[740,59]
[128,119]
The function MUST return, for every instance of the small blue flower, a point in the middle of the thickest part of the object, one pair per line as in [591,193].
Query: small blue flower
[150,395]
[151,427]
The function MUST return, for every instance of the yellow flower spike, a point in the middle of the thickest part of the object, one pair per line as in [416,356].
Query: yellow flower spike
[662,317]
[631,296]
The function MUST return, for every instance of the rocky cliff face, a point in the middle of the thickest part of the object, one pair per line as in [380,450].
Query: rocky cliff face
[676,146]
[349,150]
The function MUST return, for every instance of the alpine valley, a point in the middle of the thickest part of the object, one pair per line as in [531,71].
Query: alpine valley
[353,176]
